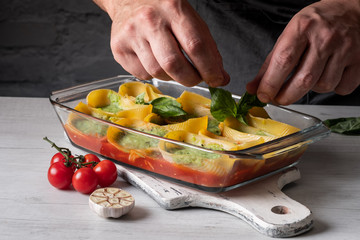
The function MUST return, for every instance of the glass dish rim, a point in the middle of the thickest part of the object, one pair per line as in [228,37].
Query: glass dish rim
[303,137]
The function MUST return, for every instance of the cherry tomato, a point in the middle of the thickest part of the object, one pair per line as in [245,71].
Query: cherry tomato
[91,158]
[106,172]
[59,175]
[85,180]
[58,157]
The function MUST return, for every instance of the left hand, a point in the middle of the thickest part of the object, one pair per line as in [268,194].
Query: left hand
[318,50]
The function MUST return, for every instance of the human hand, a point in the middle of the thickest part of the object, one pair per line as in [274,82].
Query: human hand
[149,39]
[319,48]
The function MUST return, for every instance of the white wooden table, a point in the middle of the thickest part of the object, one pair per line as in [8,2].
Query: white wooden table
[30,208]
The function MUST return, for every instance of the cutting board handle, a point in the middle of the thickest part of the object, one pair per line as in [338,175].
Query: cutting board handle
[261,204]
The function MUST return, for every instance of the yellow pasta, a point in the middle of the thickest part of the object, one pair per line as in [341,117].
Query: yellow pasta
[137,113]
[195,104]
[134,89]
[244,137]
[125,108]
[98,98]
[273,127]
[193,125]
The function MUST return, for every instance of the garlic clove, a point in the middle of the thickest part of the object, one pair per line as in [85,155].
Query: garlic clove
[111,202]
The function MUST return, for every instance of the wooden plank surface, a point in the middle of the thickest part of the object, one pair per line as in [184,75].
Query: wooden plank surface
[260,204]
[30,208]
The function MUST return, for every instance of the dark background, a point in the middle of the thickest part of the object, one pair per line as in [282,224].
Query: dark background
[49,45]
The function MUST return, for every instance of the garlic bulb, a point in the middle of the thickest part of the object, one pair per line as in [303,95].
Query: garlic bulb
[111,202]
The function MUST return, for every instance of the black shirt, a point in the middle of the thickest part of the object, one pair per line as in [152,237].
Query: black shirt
[245,32]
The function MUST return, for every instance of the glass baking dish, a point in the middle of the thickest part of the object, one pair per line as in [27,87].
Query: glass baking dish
[217,171]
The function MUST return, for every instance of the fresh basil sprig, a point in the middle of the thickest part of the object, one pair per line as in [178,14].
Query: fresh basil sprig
[247,102]
[223,105]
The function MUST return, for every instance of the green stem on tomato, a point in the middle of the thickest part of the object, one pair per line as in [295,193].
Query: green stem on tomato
[64,151]
[78,160]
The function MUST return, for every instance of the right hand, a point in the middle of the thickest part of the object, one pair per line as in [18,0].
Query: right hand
[149,39]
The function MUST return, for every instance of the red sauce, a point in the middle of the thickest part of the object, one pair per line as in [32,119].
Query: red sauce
[239,173]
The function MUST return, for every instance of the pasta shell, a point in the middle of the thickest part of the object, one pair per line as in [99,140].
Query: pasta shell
[154,118]
[259,112]
[98,98]
[195,104]
[84,108]
[134,89]
[233,123]
[242,137]
[271,126]
[137,141]
[196,159]
[220,166]
[192,125]
[137,113]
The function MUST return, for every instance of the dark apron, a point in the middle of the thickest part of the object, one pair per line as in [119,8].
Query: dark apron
[246,31]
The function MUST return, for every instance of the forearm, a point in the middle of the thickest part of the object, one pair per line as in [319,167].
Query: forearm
[108,6]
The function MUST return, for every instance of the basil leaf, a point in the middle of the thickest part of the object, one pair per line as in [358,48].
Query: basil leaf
[246,102]
[348,126]
[167,107]
[222,104]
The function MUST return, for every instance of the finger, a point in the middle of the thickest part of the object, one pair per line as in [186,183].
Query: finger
[131,63]
[126,57]
[305,77]
[253,85]
[201,48]
[335,67]
[350,80]
[149,62]
[169,56]
[331,76]
[286,55]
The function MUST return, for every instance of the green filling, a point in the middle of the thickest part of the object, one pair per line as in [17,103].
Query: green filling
[214,146]
[100,115]
[90,127]
[114,106]
[194,157]
[137,141]
[155,131]
[213,126]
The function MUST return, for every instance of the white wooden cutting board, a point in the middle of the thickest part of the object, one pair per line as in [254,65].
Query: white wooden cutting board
[261,204]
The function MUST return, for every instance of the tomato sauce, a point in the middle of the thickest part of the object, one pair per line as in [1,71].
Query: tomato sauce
[157,164]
